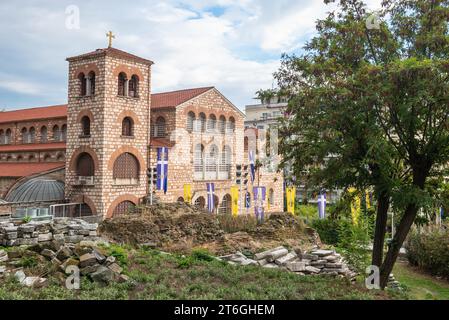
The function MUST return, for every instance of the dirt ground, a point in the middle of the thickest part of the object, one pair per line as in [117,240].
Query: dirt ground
[179,227]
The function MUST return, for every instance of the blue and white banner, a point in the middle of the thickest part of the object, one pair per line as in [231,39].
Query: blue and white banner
[322,205]
[252,165]
[259,198]
[248,200]
[210,197]
[162,169]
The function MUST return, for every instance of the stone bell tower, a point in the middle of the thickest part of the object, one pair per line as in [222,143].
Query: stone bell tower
[108,131]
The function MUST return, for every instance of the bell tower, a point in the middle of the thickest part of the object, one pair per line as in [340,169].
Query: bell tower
[108,130]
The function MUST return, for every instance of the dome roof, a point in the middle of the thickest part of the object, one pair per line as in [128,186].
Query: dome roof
[37,190]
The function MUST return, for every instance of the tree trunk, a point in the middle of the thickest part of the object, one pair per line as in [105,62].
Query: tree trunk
[393,251]
[383,203]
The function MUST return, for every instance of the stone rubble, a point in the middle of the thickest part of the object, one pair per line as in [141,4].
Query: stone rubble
[304,263]
[91,259]
[35,232]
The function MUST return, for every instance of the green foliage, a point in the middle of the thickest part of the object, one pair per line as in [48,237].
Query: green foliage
[429,251]
[26,219]
[28,262]
[328,229]
[119,252]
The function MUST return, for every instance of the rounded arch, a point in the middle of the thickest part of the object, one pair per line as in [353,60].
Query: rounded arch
[191,117]
[126,167]
[133,86]
[85,165]
[222,124]
[180,199]
[226,204]
[200,202]
[271,197]
[82,82]
[122,79]
[160,127]
[83,199]
[78,151]
[85,126]
[47,157]
[127,127]
[126,149]
[201,122]
[120,199]
[130,114]
[44,134]
[212,122]
[56,133]
[32,135]
[60,156]
[84,113]
[231,124]
[86,69]
[128,71]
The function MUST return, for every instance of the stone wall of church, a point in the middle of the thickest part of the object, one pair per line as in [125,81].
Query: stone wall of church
[106,142]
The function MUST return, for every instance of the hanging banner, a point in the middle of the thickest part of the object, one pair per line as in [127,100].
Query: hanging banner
[291,197]
[210,197]
[162,169]
[367,200]
[188,193]
[252,164]
[322,205]
[259,198]
[355,205]
[247,201]
[235,200]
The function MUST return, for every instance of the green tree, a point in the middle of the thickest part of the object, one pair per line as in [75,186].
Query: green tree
[368,107]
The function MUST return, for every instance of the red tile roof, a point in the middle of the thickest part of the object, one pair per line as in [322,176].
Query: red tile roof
[59,111]
[33,147]
[113,52]
[175,98]
[15,170]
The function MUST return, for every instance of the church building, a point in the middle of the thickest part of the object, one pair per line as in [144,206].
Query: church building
[95,155]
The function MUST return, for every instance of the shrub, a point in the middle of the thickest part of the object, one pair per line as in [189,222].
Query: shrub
[429,251]
[327,229]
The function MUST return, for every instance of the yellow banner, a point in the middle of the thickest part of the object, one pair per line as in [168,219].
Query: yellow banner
[368,202]
[355,205]
[188,193]
[291,197]
[235,200]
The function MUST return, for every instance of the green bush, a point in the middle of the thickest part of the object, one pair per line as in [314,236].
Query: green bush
[429,251]
[327,229]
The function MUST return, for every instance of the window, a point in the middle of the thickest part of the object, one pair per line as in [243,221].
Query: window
[85,126]
[231,124]
[32,135]
[2,137]
[64,132]
[225,207]
[122,84]
[60,157]
[85,165]
[90,84]
[211,123]
[159,128]
[198,162]
[133,87]
[126,169]
[83,84]
[56,133]
[202,123]
[47,157]
[44,134]
[200,203]
[271,197]
[19,158]
[222,124]
[225,164]
[190,121]
[8,136]
[31,158]
[211,162]
[25,135]
[125,207]
[127,127]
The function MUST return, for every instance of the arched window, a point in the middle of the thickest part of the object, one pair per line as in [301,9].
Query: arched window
[271,197]
[226,203]
[85,126]
[2,137]
[60,157]
[222,125]
[83,84]
[31,158]
[85,165]
[133,87]
[126,169]
[245,146]
[47,157]
[200,203]
[8,136]
[180,199]
[211,162]
[64,132]
[124,207]
[198,162]
[202,122]
[90,84]
[8,158]
[56,133]
[122,84]
[19,158]
[190,121]
[24,133]
[231,124]
[225,163]
[32,135]
[127,127]
[44,134]
[159,128]
[212,123]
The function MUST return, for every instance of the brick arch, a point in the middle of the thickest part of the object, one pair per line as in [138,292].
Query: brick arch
[84,149]
[120,199]
[207,111]
[85,199]
[122,150]
[86,69]
[129,71]
[85,112]
[128,113]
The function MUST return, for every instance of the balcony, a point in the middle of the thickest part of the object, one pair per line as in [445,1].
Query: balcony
[84,181]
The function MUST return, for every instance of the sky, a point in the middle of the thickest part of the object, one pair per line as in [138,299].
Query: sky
[234,45]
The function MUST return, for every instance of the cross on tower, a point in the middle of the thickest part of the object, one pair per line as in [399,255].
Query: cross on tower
[111,36]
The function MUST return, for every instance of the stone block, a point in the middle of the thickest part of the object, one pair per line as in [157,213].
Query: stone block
[322,253]
[264,254]
[284,259]
[45,237]
[310,269]
[296,266]
[272,256]
[87,259]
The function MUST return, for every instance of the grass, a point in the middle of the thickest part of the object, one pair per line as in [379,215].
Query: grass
[197,276]
[420,286]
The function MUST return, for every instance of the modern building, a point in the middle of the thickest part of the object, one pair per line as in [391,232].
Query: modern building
[266,113]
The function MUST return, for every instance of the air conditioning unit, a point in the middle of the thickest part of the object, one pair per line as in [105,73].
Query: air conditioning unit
[84,181]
